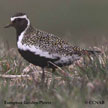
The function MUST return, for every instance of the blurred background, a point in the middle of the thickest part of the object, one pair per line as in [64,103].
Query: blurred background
[82,22]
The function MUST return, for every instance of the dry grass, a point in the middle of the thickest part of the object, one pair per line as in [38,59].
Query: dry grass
[83,81]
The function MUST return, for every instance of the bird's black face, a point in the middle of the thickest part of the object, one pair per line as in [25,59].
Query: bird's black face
[20,22]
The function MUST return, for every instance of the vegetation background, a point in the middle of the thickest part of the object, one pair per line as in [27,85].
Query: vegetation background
[78,21]
[82,23]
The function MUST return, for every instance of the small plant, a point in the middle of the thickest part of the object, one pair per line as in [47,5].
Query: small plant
[76,86]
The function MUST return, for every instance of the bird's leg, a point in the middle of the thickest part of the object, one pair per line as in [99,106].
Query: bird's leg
[53,70]
[43,74]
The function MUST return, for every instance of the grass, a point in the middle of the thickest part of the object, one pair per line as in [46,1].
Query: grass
[86,81]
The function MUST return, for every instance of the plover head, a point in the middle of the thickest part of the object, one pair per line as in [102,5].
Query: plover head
[19,21]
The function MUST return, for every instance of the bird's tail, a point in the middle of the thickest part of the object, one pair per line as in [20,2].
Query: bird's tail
[90,52]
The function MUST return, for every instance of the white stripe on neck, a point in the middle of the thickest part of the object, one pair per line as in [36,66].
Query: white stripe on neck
[19,43]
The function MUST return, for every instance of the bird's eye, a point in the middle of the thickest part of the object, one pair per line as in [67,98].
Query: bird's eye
[18,19]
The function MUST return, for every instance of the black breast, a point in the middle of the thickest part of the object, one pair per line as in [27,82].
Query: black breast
[37,59]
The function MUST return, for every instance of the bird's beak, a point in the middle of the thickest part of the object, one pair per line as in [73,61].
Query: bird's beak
[8,25]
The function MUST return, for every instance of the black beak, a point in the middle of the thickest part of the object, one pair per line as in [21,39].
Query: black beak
[9,25]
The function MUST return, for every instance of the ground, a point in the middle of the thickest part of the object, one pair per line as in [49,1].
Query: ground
[81,85]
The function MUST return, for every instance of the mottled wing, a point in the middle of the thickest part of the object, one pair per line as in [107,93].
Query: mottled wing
[51,46]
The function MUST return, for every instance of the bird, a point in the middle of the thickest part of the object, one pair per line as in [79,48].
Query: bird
[42,48]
